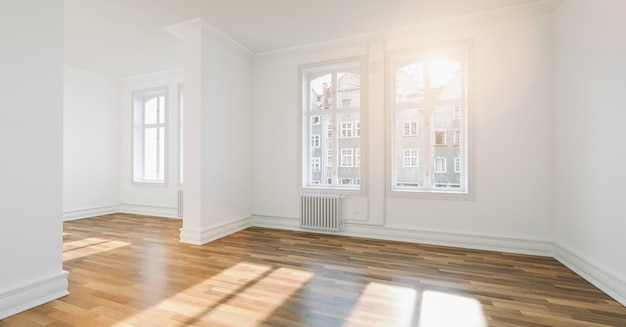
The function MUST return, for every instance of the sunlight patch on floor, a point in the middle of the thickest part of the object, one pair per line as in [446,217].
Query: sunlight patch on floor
[441,309]
[395,303]
[89,246]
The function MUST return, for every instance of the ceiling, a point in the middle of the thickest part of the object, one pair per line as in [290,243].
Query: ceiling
[123,38]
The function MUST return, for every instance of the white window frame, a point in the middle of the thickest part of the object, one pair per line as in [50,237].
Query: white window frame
[456,137]
[440,168]
[346,130]
[139,126]
[463,116]
[357,157]
[343,157]
[410,126]
[332,171]
[315,141]
[411,156]
[457,165]
[316,164]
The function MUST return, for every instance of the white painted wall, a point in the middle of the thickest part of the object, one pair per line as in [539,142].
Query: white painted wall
[217,133]
[31,122]
[143,198]
[91,142]
[590,114]
[512,74]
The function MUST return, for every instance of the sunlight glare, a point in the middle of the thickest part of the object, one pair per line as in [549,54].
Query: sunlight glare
[93,245]
[397,302]
[442,310]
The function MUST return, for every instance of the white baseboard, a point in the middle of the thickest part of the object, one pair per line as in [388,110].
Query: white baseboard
[89,212]
[601,277]
[199,237]
[479,242]
[32,294]
[156,211]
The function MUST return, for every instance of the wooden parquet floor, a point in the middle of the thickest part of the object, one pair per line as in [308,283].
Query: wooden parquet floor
[130,270]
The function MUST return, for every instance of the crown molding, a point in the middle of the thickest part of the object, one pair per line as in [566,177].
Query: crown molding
[187,28]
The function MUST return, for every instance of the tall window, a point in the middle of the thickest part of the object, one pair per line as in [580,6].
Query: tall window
[149,123]
[429,116]
[331,125]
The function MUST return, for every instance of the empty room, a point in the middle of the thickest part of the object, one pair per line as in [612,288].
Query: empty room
[327,163]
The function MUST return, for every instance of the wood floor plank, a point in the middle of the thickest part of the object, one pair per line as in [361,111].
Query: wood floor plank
[131,270]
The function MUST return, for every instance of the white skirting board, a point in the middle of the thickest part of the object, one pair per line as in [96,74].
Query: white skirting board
[89,212]
[479,242]
[32,294]
[604,279]
[199,237]
[165,212]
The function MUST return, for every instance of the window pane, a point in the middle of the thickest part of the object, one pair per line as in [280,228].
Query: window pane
[348,90]
[150,154]
[321,92]
[161,164]
[410,83]
[408,143]
[150,113]
[445,79]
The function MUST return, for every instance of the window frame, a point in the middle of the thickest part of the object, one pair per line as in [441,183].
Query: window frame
[397,59]
[138,142]
[307,73]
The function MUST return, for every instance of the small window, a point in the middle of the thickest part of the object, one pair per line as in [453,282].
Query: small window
[345,103]
[346,158]
[439,138]
[456,113]
[315,141]
[329,158]
[315,164]
[346,130]
[440,165]
[357,129]
[347,181]
[457,165]
[409,128]
[457,137]
[315,120]
[357,157]
[409,158]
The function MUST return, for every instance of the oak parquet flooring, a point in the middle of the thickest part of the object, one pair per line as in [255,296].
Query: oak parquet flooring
[130,270]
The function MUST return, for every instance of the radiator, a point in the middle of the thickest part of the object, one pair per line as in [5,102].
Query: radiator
[180,202]
[320,212]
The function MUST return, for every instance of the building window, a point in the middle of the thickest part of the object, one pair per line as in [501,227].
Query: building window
[347,181]
[315,141]
[409,128]
[409,158]
[440,165]
[331,125]
[428,95]
[149,135]
[457,137]
[346,158]
[439,138]
[180,134]
[315,165]
[346,130]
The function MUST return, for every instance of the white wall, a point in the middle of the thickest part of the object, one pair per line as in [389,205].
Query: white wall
[590,114]
[91,141]
[31,122]
[143,198]
[512,73]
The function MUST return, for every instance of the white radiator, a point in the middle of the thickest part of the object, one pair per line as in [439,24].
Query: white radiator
[180,202]
[320,212]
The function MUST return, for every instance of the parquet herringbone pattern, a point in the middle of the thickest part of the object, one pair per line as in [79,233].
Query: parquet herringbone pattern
[130,270]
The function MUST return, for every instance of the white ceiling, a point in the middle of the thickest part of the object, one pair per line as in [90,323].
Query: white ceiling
[123,38]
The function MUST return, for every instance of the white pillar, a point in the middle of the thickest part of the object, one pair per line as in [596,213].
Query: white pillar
[31,140]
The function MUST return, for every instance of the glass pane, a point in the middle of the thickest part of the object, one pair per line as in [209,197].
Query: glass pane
[162,109]
[161,141]
[150,154]
[408,147]
[321,92]
[348,90]
[445,149]
[348,170]
[150,111]
[410,83]
[445,79]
